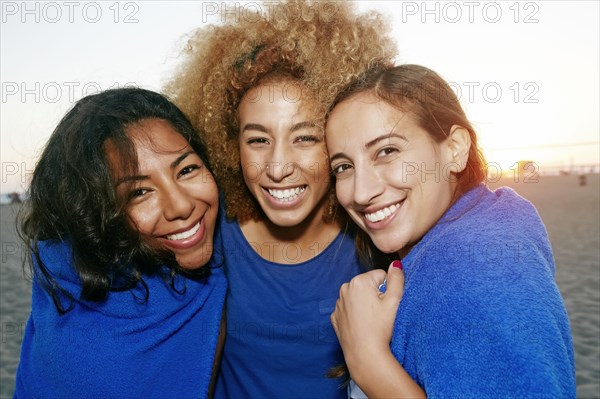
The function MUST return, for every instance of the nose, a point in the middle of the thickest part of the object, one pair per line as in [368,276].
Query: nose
[177,203]
[281,165]
[368,184]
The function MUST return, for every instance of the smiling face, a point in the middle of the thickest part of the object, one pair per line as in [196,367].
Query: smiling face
[173,199]
[391,177]
[282,153]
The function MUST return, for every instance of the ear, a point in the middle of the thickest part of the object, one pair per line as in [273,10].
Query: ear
[459,144]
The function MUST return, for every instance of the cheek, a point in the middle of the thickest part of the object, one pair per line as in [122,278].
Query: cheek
[251,172]
[343,192]
[142,217]
[317,164]
[207,190]
[248,156]
[251,166]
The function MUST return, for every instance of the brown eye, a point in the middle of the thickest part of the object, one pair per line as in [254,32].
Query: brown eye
[258,140]
[189,169]
[306,139]
[138,192]
[341,168]
[387,151]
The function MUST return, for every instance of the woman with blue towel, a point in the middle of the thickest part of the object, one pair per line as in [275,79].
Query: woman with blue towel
[480,314]
[120,223]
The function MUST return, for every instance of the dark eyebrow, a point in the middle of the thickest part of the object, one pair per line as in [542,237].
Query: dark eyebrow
[336,156]
[303,125]
[369,144]
[173,165]
[180,158]
[383,137]
[127,179]
[295,127]
[255,126]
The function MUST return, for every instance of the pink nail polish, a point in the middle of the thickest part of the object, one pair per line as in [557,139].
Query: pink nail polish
[397,264]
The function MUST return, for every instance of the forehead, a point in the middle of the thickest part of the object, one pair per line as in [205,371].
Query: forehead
[146,140]
[289,96]
[364,115]
[155,135]
[366,103]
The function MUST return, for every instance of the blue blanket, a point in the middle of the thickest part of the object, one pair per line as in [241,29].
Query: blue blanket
[481,315]
[122,347]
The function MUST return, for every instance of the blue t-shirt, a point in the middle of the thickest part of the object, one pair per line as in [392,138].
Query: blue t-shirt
[280,342]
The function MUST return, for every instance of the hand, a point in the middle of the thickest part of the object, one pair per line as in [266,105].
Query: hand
[364,318]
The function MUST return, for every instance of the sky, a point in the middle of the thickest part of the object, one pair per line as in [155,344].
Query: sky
[526,72]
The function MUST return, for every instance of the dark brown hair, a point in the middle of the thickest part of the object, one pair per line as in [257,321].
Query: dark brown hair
[72,197]
[424,94]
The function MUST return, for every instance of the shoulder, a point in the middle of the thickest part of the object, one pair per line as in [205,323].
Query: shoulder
[497,212]
[57,259]
[494,246]
[488,228]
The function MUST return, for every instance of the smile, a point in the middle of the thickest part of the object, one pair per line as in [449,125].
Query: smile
[286,195]
[382,213]
[185,234]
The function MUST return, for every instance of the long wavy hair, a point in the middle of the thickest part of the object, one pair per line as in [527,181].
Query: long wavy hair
[72,197]
[424,94]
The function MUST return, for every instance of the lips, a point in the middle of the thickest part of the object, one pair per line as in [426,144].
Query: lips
[185,234]
[286,195]
[383,213]
[187,238]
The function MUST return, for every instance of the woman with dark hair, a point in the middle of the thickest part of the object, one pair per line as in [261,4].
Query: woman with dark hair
[120,220]
[480,315]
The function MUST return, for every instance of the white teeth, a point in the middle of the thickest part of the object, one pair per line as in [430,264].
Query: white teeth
[185,234]
[287,194]
[382,213]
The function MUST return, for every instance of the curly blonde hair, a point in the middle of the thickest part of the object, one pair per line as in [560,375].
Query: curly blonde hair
[323,45]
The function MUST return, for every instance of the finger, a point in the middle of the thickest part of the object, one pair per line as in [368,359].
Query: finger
[395,282]
[333,319]
[343,291]
[372,278]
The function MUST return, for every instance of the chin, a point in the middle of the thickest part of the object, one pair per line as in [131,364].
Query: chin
[191,263]
[286,220]
[388,246]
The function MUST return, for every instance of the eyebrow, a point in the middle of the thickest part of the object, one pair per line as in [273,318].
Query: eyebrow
[180,158]
[295,127]
[173,165]
[127,179]
[255,126]
[383,137]
[370,144]
[303,125]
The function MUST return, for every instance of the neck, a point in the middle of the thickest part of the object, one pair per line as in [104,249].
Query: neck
[291,244]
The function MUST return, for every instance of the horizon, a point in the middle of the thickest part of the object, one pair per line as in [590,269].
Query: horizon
[526,73]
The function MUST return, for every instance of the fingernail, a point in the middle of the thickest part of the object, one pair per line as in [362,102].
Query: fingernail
[397,264]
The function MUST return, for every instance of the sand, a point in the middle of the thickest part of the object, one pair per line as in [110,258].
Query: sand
[572,216]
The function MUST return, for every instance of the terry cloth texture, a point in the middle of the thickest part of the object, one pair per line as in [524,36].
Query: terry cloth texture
[121,347]
[481,316]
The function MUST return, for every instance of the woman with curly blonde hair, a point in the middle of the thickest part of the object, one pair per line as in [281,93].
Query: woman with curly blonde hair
[259,86]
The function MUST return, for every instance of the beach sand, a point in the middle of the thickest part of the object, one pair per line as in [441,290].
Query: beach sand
[572,216]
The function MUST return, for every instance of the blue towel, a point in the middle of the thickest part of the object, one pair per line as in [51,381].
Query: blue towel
[122,347]
[481,315]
